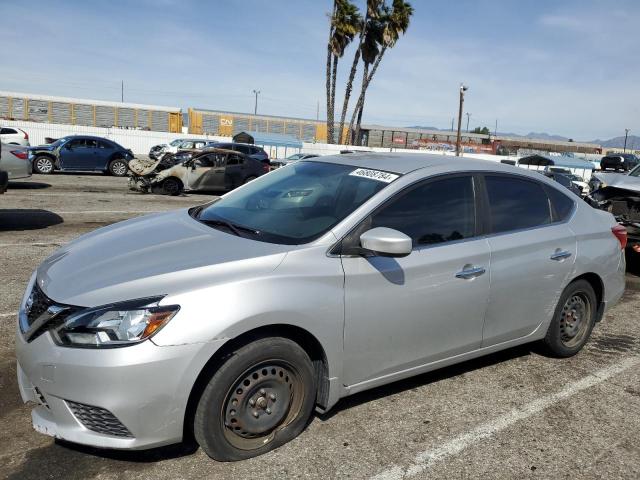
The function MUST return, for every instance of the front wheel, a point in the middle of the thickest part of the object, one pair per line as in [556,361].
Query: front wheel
[172,186]
[573,320]
[43,165]
[259,399]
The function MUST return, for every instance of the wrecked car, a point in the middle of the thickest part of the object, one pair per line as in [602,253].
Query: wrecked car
[211,169]
[619,194]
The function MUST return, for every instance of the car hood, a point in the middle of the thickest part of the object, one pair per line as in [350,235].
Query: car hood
[619,180]
[48,148]
[166,253]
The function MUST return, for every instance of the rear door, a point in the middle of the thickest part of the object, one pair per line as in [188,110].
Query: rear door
[234,171]
[532,255]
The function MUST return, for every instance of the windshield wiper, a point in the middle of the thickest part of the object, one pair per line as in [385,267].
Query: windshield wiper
[234,228]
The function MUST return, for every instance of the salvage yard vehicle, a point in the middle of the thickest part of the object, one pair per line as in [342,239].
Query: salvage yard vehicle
[4,176]
[14,136]
[157,152]
[82,153]
[16,162]
[619,194]
[211,169]
[619,161]
[375,252]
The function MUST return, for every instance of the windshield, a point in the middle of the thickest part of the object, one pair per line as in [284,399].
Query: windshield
[635,172]
[298,203]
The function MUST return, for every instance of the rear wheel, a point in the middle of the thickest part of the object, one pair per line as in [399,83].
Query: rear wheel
[573,320]
[172,186]
[259,399]
[118,167]
[43,165]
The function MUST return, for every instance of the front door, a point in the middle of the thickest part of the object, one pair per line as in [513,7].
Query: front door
[401,313]
[202,172]
[532,255]
[73,154]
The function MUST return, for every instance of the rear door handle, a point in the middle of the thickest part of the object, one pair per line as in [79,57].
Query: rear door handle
[470,272]
[560,255]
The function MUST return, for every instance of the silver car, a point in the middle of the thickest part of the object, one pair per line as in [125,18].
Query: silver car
[16,161]
[174,324]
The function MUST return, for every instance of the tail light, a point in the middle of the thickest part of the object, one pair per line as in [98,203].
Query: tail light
[22,155]
[266,167]
[26,135]
[621,234]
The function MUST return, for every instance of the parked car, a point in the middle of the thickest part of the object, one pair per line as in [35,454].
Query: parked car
[581,186]
[184,327]
[619,194]
[16,161]
[252,151]
[292,158]
[14,136]
[619,161]
[211,169]
[157,152]
[4,176]
[82,153]
[563,180]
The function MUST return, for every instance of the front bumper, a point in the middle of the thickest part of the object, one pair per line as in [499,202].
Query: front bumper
[143,388]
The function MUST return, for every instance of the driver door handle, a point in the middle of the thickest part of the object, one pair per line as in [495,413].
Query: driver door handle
[470,272]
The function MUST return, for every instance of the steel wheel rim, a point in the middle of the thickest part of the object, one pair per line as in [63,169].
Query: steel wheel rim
[263,400]
[44,165]
[119,168]
[575,319]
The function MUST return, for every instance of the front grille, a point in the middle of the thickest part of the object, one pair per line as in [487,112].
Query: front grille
[98,419]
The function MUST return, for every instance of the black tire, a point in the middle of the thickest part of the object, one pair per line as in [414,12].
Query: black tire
[260,398]
[249,179]
[573,320]
[118,167]
[43,165]
[172,186]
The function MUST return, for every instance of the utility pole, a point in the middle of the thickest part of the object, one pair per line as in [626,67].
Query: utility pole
[255,106]
[495,131]
[468,116]
[452,120]
[626,134]
[318,110]
[463,89]
[122,91]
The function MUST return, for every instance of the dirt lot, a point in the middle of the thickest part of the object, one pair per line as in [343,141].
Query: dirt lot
[516,414]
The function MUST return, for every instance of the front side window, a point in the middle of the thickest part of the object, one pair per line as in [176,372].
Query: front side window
[516,203]
[437,211]
[298,203]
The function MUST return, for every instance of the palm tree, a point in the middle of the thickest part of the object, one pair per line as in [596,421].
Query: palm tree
[374,11]
[344,26]
[395,22]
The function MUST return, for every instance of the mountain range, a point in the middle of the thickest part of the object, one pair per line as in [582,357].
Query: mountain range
[633,141]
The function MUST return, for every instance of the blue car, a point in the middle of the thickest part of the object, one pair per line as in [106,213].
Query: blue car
[81,153]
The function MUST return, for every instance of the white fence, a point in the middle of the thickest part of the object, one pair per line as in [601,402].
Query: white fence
[139,141]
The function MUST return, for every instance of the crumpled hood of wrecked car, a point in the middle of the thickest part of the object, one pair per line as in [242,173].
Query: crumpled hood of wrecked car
[166,253]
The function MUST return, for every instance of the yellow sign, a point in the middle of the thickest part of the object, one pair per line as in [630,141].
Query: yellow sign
[226,126]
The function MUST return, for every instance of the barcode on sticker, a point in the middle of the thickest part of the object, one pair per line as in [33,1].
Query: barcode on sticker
[378,175]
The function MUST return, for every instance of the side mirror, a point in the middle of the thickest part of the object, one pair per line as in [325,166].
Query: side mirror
[386,242]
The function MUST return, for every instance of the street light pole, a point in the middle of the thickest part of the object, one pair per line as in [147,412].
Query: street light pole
[626,134]
[255,107]
[463,89]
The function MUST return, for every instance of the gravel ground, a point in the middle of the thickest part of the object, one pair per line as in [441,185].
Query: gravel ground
[516,414]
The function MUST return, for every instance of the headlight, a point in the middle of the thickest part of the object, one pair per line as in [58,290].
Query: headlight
[116,325]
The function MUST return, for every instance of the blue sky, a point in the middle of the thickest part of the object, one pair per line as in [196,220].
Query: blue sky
[568,67]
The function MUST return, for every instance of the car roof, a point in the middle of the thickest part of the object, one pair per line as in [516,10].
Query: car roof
[404,163]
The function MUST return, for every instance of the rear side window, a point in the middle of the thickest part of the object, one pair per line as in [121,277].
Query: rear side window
[561,204]
[434,212]
[515,203]
[8,131]
[235,160]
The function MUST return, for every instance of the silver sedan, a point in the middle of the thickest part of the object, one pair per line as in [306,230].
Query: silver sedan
[393,264]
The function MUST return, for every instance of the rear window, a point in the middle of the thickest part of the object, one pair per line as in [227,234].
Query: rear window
[516,204]
[561,204]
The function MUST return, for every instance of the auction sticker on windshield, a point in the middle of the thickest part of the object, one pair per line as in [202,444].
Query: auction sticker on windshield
[378,175]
